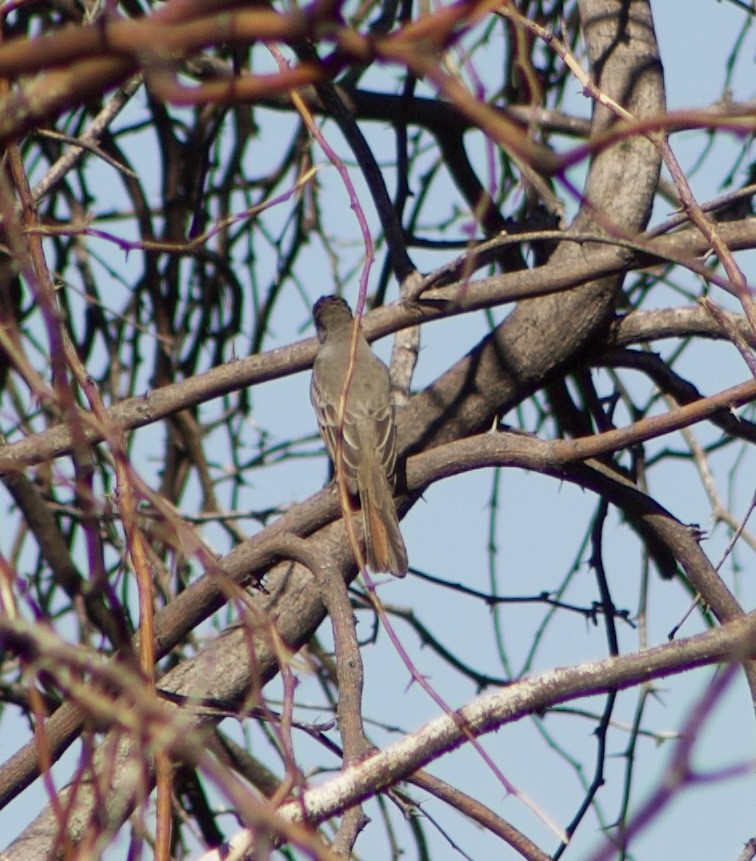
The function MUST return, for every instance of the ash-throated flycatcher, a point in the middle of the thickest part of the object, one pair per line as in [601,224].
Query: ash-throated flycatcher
[368,431]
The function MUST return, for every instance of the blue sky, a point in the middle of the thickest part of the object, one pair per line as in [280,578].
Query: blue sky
[538,529]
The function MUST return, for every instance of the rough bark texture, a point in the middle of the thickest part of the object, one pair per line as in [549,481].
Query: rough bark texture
[529,348]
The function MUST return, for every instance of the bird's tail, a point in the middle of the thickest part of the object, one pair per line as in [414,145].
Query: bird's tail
[384,545]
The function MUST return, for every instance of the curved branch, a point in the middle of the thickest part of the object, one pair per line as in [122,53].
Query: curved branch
[298,608]
[457,298]
[733,642]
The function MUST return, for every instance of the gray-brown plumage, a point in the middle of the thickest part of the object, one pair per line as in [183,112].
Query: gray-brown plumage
[369,432]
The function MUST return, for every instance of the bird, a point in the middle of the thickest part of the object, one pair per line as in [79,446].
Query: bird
[367,455]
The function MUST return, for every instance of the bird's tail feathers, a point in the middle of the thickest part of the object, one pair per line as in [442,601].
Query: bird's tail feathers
[384,545]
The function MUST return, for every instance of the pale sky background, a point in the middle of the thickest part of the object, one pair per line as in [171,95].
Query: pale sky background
[447,536]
